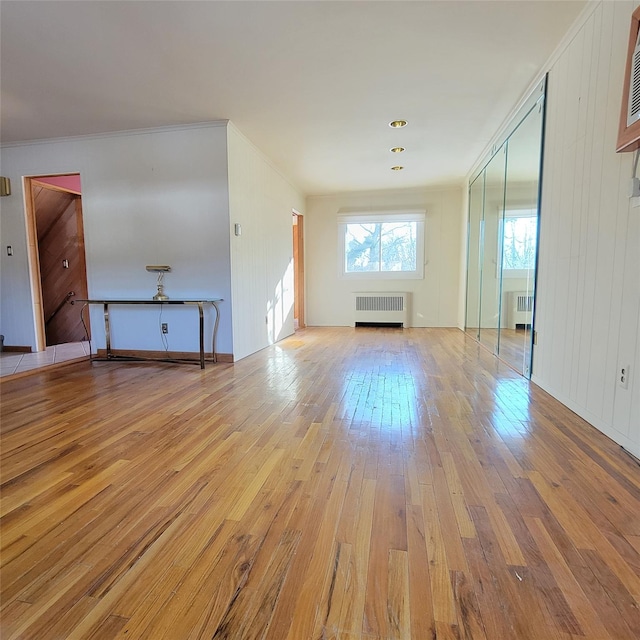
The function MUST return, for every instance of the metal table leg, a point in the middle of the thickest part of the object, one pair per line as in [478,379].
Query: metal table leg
[107,329]
[215,331]
[201,314]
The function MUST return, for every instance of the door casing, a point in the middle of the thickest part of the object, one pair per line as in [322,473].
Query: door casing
[34,258]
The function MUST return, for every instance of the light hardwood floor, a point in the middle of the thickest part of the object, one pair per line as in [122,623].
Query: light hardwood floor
[514,348]
[354,484]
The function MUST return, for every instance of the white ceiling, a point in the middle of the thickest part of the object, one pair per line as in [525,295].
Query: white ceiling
[311,84]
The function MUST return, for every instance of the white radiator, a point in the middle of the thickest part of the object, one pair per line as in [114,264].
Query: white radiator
[520,308]
[390,307]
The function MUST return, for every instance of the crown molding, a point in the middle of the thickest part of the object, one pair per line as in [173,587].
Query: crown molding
[117,134]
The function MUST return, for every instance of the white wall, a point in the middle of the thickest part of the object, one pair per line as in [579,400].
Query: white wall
[261,200]
[588,304]
[149,197]
[435,298]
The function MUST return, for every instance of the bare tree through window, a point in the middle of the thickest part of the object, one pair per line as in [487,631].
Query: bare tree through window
[381,246]
[519,242]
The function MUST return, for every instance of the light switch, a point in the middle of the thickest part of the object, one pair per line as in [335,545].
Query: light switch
[9,250]
[65,264]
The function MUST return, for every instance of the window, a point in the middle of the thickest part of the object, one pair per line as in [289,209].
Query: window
[519,236]
[381,245]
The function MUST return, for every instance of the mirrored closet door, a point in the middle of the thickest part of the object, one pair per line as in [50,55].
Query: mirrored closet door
[494,177]
[476,206]
[502,240]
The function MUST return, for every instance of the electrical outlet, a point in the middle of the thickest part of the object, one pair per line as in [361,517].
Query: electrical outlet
[165,327]
[623,376]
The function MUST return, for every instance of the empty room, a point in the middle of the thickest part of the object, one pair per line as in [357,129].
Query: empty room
[320,320]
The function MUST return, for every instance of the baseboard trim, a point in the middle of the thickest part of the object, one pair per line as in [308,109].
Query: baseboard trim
[163,355]
[16,349]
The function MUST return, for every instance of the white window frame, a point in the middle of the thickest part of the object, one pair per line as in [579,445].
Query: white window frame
[418,216]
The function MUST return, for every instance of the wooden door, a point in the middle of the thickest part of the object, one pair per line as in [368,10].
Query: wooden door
[61,257]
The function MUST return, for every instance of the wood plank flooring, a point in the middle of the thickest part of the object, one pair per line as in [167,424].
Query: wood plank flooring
[345,484]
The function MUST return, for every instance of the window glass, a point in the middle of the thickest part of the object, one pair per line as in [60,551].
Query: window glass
[381,245]
[520,232]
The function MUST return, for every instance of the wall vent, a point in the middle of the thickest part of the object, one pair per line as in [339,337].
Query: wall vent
[385,308]
[629,127]
[524,303]
[520,309]
[633,111]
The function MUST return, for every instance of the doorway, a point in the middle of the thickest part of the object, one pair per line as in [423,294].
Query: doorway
[298,271]
[57,261]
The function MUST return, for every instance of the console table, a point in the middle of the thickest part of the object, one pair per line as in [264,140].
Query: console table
[194,303]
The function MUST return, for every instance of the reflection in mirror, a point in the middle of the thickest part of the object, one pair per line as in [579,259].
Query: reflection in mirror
[503,236]
[491,253]
[476,199]
[519,230]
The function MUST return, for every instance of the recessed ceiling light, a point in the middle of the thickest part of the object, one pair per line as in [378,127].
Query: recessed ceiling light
[397,168]
[398,123]
[397,150]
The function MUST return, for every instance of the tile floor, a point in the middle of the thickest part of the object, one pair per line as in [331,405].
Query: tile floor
[11,363]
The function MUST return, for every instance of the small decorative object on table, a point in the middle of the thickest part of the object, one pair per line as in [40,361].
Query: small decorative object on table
[160,269]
